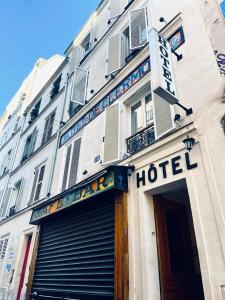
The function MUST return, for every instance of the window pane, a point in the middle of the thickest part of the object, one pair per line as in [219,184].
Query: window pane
[136,118]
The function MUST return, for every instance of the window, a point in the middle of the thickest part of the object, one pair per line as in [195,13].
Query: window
[56,87]
[177,39]
[3,246]
[222,6]
[29,145]
[141,114]
[34,112]
[37,184]
[6,163]
[48,127]
[86,45]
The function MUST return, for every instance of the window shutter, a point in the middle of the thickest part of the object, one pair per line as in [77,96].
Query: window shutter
[163,115]
[79,86]
[74,163]
[114,9]
[66,167]
[17,124]
[5,201]
[111,141]
[75,58]
[138,28]
[17,203]
[32,142]
[39,183]
[4,247]
[114,53]
[36,173]
[48,128]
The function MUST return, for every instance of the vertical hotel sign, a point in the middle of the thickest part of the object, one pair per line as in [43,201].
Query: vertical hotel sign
[162,81]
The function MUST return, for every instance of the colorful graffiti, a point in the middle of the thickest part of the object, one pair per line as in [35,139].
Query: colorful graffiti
[116,177]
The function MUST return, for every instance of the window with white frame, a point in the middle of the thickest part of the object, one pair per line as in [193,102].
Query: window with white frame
[3,245]
[142,114]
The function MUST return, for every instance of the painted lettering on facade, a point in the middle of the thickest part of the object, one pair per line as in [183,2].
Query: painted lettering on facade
[115,94]
[174,163]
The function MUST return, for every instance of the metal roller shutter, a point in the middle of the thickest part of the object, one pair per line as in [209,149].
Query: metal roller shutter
[76,253]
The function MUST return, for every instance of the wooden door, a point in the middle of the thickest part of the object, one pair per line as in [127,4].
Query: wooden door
[178,278]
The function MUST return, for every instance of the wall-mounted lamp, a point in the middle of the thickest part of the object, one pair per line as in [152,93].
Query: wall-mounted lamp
[162,20]
[189,142]
[130,170]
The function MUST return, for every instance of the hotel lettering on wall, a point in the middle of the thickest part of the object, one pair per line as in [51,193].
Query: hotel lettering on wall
[163,169]
[162,77]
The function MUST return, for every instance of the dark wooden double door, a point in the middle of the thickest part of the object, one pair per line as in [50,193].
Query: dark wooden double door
[178,277]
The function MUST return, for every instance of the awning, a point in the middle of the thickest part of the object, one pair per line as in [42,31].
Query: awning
[113,177]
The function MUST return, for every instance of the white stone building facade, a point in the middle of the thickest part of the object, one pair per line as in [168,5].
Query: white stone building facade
[111,204]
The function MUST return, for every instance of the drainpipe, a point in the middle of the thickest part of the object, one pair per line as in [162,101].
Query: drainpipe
[57,142]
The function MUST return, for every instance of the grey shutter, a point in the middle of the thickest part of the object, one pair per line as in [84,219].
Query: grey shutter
[114,53]
[79,86]
[111,141]
[39,183]
[163,115]
[66,168]
[75,58]
[4,248]
[75,258]
[114,9]
[138,28]
[74,163]
[5,201]
[36,173]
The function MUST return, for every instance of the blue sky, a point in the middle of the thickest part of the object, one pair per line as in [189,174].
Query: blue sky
[30,29]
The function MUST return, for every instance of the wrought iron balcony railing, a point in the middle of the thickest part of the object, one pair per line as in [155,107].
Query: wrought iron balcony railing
[140,140]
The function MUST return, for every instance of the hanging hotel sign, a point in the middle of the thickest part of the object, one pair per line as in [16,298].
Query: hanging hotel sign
[111,178]
[115,94]
[163,169]
[162,77]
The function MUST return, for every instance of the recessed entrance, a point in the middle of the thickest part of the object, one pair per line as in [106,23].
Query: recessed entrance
[180,276]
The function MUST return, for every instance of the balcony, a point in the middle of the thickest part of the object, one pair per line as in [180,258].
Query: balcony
[140,140]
